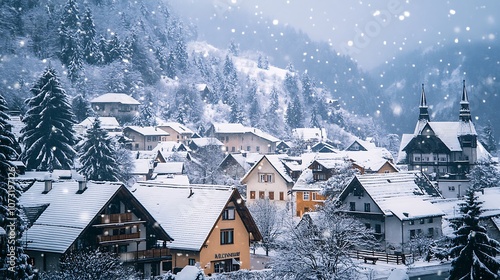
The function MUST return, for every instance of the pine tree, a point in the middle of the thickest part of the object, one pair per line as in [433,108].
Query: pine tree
[181,55]
[81,108]
[10,191]
[260,62]
[291,82]
[89,44]
[97,155]
[484,175]
[307,88]
[170,66]
[294,117]
[68,32]
[114,49]
[487,138]
[48,135]
[273,120]
[314,119]
[476,252]
[234,48]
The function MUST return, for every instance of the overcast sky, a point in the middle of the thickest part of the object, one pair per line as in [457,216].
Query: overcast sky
[372,32]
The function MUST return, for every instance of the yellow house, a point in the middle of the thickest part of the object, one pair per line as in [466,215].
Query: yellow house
[176,132]
[210,225]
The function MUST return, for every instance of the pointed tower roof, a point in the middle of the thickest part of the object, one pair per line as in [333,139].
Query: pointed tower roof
[424,109]
[464,106]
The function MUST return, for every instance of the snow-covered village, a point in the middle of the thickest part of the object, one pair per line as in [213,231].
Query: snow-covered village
[249,139]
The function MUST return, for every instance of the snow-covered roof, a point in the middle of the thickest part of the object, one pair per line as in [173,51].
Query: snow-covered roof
[388,189]
[40,175]
[106,122]
[67,213]
[172,179]
[179,128]
[276,162]
[246,160]
[121,98]
[148,130]
[306,134]
[405,139]
[239,128]
[142,166]
[373,159]
[169,168]
[206,141]
[186,213]
[366,145]
[141,154]
[306,183]
[169,146]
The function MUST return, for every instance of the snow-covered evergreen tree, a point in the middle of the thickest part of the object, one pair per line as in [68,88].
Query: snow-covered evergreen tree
[487,138]
[484,175]
[126,164]
[291,82]
[81,108]
[97,155]
[147,112]
[294,112]
[476,252]
[234,48]
[88,34]
[170,69]
[10,191]
[314,122]
[307,88]
[181,55]
[273,121]
[69,30]
[48,135]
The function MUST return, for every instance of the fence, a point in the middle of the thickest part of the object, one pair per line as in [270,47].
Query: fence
[381,256]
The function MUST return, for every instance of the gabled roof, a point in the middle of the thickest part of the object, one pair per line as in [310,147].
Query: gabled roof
[67,213]
[170,146]
[246,160]
[179,128]
[106,122]
[169,168]
[371,160]
[121,98]
[206,141]
[147,130]
[323,147]
[142,166]
[189,213]
[396,194]
[239,128]
[365,145]
[307,134]
[276,163]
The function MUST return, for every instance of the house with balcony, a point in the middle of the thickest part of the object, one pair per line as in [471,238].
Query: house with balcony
[237,138]
[211,225]
[271,178]
[71,215]
[443,148]
[394,206]
[119,105]
[176,132]
[144,138]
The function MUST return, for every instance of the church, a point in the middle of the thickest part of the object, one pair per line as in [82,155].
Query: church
[443,149]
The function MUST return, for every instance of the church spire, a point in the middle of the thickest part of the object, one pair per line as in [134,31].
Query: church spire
[464,106]
[424,109]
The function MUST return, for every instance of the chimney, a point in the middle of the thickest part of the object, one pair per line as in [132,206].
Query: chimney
[82,183]
[47,179]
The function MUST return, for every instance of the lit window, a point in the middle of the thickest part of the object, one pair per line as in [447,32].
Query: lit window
[252,194]
[262,195]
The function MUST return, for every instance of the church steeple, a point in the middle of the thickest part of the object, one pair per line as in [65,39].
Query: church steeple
[424,109]
[464,106]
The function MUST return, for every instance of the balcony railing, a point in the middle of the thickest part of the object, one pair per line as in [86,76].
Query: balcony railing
[116,218]
[108,238]
[156,253]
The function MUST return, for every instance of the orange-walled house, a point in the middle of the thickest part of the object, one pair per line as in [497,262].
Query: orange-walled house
[211,225]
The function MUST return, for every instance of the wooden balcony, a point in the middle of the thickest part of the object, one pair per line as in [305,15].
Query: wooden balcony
[116,218]
[146,255]
[119,237]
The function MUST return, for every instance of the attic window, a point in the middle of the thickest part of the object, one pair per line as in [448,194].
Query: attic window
[228,213]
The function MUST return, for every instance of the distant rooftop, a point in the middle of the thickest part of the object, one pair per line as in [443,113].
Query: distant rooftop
[121,98]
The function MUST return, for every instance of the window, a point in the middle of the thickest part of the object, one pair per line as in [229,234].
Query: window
[262,195]
[315,196]
[177,136]
[233,149]
[257,148]
[411,222]
[319,177]
[228,213]
[412,233]
[136,146]
[451,188]
[191,262]
[430,232]
[227,138]
[248,148]
[352,206]
[305,196]
[266,178]
[271,195]
[269,149]
[282,196]
[252,194]
[378,228]
[368,226]
[431,220]
[149,148]
[367,207]
[422,221]
[226,236]
[417,158]
[148,138]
